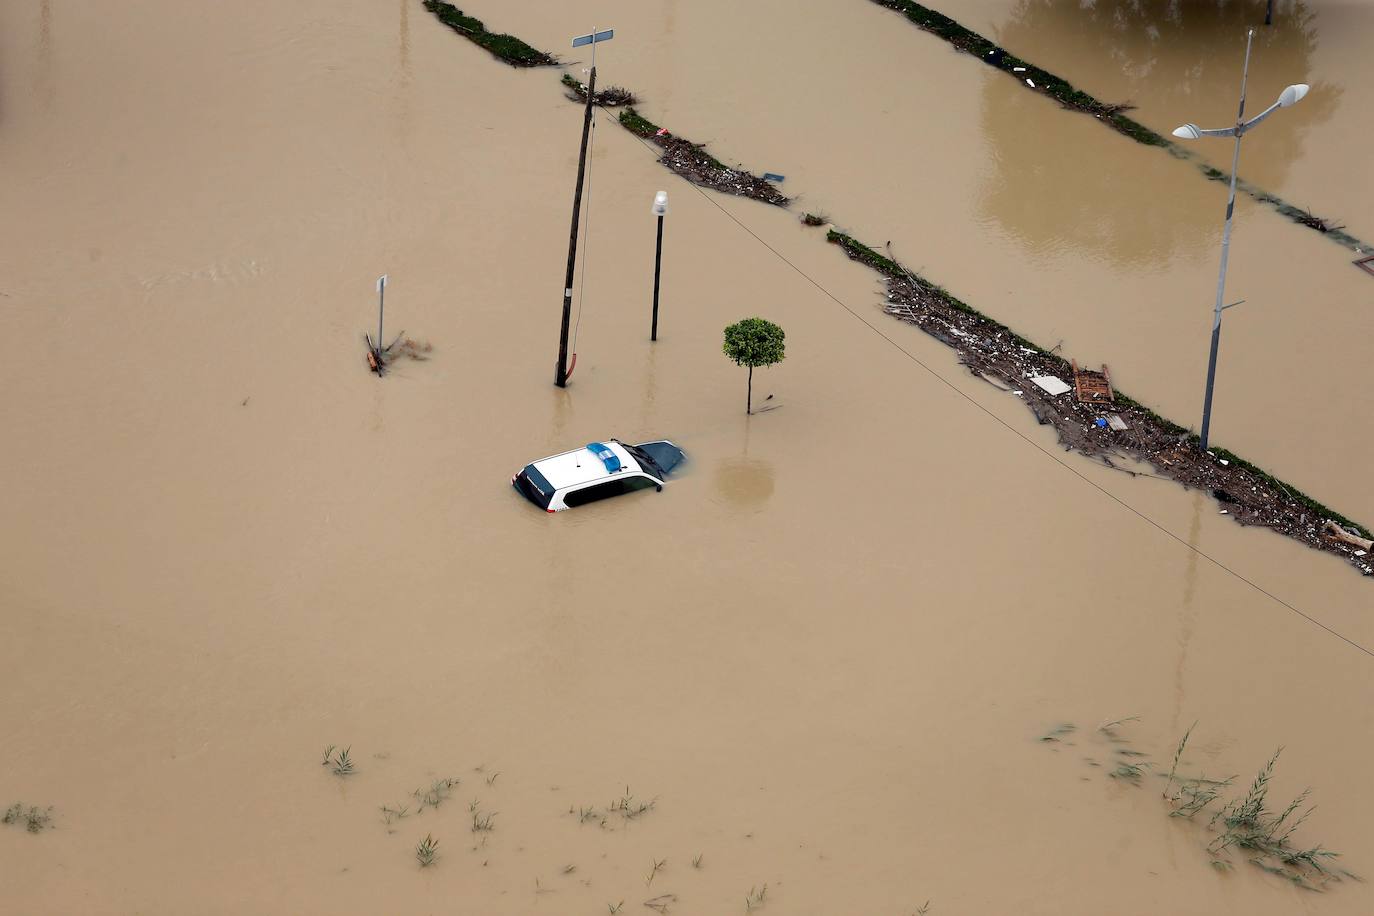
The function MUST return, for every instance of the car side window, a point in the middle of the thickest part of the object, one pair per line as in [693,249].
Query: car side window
[607,489]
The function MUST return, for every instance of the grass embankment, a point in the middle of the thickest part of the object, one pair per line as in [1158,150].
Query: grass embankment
[993,351]
[506,47]
[1069,96]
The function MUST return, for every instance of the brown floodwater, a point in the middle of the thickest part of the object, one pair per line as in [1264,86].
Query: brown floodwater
[827,651]
[1053,224]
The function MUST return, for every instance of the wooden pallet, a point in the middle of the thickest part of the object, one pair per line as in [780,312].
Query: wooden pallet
[1093,387]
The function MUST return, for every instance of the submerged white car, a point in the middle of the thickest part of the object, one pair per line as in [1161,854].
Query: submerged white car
[596,471]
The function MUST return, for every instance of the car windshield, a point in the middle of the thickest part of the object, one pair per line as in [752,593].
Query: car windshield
[645,461]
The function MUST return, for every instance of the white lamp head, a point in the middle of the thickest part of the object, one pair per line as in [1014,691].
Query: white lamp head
[660,203]
[1187,132]
[1293,95]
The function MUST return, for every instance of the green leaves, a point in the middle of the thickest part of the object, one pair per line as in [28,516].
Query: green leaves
[754,342]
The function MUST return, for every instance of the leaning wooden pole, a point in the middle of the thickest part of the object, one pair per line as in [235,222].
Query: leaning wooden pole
[560,376]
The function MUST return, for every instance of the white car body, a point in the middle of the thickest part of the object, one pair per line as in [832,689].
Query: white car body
[595,471]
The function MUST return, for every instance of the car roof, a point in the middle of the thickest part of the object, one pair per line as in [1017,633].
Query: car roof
[582,465]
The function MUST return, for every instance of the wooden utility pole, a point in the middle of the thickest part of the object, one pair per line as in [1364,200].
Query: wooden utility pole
[560,376]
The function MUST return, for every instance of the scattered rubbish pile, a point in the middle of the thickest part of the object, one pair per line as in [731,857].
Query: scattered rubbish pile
[610,97]
[1095,419]
[692,162]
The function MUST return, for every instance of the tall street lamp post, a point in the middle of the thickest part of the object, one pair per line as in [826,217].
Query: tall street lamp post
[660,208]
[1290,96]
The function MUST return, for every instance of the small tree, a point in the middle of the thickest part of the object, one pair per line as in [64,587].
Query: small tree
[754,342]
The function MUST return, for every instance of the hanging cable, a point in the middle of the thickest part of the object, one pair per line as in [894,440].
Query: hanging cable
[586,234]
[1013,430]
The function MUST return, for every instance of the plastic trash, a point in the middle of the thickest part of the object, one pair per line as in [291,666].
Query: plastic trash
[1100,422]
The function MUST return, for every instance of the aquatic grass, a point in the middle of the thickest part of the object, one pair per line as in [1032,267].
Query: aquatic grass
[505,47]
[391,815]
[629,807]
[341,763]
[1246,824]
[1059,732]
[1109,728]
[1130,772]
[616,908]
[1178,755]
[696,860]
[34,819]
[437,793]
[482,822]
[426,851]
[755,898]
[661,902]
[654,870]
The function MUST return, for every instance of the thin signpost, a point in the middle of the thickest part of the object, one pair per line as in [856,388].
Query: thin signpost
[381,307]
[560,375]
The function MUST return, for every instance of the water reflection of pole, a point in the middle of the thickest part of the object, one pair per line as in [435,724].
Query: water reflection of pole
[1269,13]
[1187,615]
[1290,96]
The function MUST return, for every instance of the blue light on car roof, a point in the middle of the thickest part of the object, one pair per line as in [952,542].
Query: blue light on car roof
[607,456]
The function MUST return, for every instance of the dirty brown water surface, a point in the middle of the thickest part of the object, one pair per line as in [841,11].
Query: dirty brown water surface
[826,652]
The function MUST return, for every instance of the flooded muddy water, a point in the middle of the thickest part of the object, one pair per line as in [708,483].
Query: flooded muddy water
[1040,217]
[1180,62]
[827,652]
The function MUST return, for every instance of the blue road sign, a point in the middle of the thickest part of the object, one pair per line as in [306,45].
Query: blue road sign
[774,176]
[593,38]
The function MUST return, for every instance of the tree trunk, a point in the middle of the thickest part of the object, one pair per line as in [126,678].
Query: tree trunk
[749,398]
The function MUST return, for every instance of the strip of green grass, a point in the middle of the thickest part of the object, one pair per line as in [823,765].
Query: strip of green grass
[506,47]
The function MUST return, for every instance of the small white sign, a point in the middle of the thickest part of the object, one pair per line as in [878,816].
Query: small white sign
[381,283]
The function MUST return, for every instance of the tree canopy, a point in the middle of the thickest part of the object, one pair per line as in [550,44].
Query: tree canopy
[754,342]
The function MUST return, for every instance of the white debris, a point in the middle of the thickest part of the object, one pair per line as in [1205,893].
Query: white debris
[1116,423]
[1223,461]
[1030,82]
[1050,384]
[1018,69]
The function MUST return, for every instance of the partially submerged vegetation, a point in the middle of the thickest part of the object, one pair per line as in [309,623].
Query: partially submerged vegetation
[995,353]
[610,97]
[340,763]
[988,52]
[1111,114]
[506,47]
[691,161]
[1244,825]
[32,818]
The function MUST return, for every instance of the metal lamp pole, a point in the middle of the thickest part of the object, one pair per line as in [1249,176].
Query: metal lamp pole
[660,209]
[1290,96]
